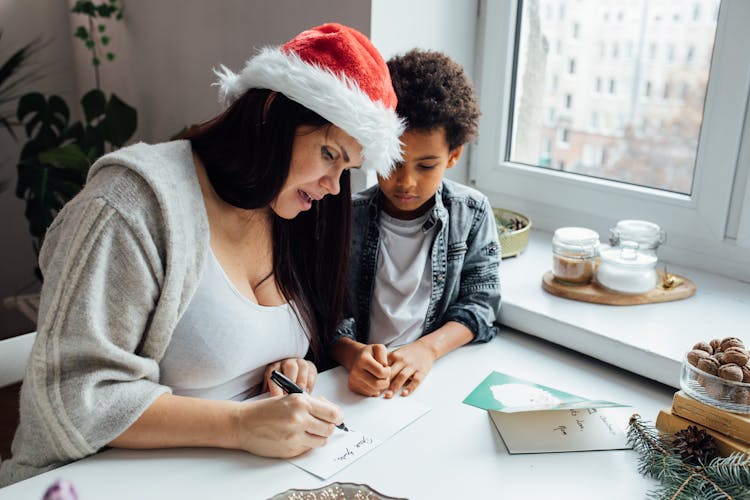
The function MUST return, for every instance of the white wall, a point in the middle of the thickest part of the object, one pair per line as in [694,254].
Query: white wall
[21,22]
[447,26]
[174,45]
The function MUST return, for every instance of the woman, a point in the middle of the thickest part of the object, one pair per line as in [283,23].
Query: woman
[185,272]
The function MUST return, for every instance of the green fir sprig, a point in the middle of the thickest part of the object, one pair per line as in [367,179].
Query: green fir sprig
[722,478]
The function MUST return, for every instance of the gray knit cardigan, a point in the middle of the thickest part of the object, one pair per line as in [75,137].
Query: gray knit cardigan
[120,262]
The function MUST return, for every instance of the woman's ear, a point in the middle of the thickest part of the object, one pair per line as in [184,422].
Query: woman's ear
[454,155]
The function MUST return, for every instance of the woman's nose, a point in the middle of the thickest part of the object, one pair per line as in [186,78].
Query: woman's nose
[331,184]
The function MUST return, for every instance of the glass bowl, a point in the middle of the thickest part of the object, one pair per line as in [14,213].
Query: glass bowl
[713,390]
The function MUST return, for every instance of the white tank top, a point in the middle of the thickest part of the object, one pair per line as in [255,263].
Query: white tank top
[403,281]
[224,341]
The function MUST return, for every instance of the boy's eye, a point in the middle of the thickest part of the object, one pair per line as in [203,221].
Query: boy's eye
[427,167]
[326,153]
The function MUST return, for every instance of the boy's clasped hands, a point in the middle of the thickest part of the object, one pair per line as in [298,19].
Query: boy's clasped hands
[376,372]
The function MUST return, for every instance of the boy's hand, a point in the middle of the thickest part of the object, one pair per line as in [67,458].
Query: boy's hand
[370,373]
[409,365]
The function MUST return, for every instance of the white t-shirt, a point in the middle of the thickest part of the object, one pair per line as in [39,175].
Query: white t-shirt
[224,341]
[403,281]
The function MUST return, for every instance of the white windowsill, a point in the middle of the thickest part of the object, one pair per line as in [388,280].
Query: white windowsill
[648,339]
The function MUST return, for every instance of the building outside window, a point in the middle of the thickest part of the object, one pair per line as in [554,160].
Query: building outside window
[674,151]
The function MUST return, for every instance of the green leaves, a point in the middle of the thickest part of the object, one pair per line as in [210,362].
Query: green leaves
[93,34]
[56,159]
[44,120]
[112,120]
[119,122]
[81,33]
[721,478]
[13,77]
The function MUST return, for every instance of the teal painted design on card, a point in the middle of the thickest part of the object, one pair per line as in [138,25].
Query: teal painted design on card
[508,394]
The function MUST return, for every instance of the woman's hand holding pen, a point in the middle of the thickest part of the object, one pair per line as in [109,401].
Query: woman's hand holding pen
[285,426]
[370,374]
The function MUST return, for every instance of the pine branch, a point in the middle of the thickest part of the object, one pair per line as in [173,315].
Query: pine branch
[723,478]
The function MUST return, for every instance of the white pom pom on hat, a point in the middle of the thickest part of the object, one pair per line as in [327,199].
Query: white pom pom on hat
[335,71]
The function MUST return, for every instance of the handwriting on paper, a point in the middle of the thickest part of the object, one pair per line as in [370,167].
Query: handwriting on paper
[564,430]
[342,449]
[349,453]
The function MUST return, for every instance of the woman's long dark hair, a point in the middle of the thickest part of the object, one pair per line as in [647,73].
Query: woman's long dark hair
[247,152]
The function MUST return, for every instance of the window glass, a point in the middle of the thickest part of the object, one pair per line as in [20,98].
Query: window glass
[630,115]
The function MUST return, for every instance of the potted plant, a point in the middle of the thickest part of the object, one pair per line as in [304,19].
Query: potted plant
[55,160]
[12,77]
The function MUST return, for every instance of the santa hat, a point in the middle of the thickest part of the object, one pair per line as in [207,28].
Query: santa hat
[336,72]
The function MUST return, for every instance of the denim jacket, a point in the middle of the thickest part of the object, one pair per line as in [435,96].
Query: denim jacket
[465,259]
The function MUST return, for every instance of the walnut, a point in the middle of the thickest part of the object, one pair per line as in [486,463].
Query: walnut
[731,342]
[731,372]
[721,364]
[704,346]
[708,365]
[695,355]
[719,356]
[735,355]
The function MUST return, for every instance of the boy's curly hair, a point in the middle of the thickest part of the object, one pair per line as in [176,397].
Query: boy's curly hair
[434,91]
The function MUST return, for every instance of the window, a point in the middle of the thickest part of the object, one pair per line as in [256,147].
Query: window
[671,161]
[563,137]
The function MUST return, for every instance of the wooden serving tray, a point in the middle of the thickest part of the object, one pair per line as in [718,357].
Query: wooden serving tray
[600,295]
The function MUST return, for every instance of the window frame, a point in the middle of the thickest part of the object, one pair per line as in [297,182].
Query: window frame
[696,224]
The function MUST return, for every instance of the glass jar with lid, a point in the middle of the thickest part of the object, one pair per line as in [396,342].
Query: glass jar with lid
[574,251]
[626,269]
[646,236]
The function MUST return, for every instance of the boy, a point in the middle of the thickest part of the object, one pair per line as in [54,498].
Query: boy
[425,252]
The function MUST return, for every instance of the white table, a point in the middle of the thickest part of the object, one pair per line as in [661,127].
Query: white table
[451,452]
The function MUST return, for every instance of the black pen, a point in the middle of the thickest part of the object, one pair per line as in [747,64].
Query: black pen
[290,387]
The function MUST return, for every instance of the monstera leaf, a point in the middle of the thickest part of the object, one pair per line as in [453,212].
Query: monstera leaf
[55,161]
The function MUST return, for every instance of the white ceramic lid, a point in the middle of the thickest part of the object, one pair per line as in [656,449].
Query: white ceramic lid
[626,256]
